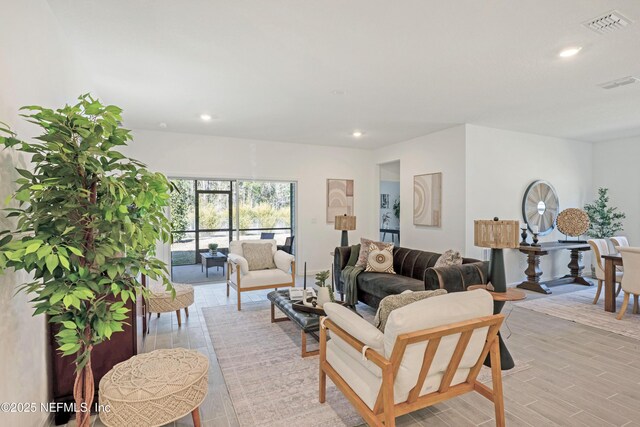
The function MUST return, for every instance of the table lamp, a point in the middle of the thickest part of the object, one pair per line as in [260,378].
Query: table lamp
[497,235]
[345,223]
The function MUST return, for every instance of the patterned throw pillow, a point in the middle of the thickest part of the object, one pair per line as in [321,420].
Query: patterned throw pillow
[449,258]
[380,260]
[364,251]
[259,256]
[391,302]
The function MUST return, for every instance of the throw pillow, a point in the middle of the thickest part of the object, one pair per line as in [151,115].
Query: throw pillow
[391,302]
[380,260]
[449,258]
[259,256]
[353,257]
[364,251]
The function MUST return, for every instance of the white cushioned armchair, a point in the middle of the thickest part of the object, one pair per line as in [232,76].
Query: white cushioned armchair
[242,279]
[430,351]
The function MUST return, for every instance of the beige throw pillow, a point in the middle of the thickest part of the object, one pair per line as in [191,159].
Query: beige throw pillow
[380,260]
[391,302]
[364,251]
[259,256]
[449,258]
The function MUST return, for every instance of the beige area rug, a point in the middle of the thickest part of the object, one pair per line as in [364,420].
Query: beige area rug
[578,307]
[269,383]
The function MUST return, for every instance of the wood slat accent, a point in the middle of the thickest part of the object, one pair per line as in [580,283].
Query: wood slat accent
[492,336]
[461,347]
[429,354]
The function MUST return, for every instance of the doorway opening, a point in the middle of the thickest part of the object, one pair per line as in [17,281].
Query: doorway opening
[390,202]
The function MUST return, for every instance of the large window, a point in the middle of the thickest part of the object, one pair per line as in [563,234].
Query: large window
[217,211]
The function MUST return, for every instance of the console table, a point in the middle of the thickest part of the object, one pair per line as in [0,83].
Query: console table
[534,272]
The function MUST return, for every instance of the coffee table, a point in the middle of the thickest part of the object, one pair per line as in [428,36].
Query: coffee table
[212,260]
[308,323]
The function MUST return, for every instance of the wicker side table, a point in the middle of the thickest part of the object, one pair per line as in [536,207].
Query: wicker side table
[161,301]
[153,389]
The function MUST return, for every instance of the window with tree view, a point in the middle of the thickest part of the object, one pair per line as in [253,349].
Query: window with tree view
[205,212]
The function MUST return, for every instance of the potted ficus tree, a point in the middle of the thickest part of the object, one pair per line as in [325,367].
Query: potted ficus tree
[86,222]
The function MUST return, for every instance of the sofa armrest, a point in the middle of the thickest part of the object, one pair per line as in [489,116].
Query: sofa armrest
[239,261]
[456,278]
[283,261]
[340,258]
[355,326]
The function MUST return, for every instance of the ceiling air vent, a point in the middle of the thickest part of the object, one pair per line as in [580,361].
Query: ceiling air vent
[619,82]
[607,23]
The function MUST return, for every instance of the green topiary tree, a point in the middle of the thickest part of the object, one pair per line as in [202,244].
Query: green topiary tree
[604,221]
[87,221]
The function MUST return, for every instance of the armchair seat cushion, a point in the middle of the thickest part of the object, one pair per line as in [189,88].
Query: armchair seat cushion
[262,278]
[384,284]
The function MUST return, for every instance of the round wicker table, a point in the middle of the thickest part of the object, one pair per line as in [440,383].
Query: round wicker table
[153,389]
[161,301]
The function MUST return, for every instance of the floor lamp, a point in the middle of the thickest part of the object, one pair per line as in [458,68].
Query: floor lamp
[497,235]
[345,223]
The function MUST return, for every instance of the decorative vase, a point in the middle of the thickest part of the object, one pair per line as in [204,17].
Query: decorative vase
[323,296]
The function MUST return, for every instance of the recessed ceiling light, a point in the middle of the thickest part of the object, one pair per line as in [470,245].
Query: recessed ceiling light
[163,125]
[357,133]
[569,52]
[206,117]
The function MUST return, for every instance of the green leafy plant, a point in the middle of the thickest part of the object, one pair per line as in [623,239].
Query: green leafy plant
[321,279]
[86,222]
[605,221]
[213,247]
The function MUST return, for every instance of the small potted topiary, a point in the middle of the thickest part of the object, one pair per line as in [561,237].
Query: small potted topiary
[213,248]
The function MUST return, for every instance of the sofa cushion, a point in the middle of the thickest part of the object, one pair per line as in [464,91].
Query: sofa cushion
[365,245]
[456,278]
[413,263]
[259,256]
[380,259]
[449,258]
[383,284]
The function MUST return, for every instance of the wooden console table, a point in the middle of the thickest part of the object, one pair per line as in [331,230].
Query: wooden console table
[534,272]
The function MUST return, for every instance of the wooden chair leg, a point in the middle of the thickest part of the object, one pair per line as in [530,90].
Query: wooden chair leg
[625,303]
[227,289]
[595,300]
[186,311]
[239,301]
[195,414]
[635,304]
[496,378]
[387,397]
[179,318]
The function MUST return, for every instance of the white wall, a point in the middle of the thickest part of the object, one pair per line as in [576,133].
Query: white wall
[187,155]
[500,166]
[615,166]
[36,69]
[442,151]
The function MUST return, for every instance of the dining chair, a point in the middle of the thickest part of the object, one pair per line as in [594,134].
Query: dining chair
[631,279]
[619,241]
[267,236]
[599,248]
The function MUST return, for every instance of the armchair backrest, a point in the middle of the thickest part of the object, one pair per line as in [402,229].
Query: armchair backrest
[631,261]
[619,241]
[599,248]
[433,358]
[235,246]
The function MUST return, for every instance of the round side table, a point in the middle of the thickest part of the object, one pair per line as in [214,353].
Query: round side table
[499,299]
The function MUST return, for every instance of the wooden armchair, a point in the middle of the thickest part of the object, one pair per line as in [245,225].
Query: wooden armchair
[431,351]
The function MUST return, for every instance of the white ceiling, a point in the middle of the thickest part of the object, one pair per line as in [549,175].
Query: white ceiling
[267,69]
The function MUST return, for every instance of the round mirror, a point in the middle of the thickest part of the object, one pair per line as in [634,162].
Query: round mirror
[540,207]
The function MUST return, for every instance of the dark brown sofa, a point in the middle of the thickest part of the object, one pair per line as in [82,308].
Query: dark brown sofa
[414,271]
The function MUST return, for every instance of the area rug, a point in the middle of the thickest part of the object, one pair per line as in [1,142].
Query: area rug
[269,383]
[578,307]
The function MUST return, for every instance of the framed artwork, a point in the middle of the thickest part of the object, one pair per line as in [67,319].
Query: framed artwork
[427,199]
[339,198]
[384,201]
